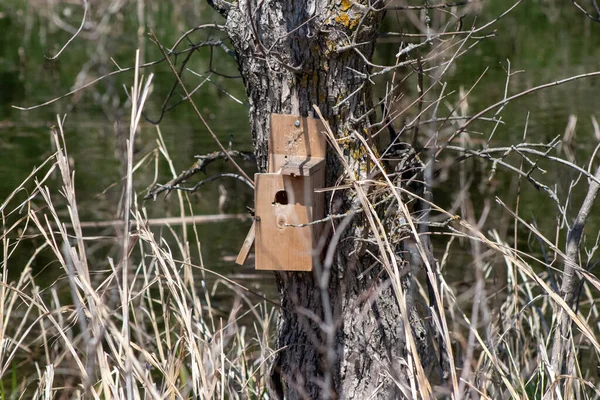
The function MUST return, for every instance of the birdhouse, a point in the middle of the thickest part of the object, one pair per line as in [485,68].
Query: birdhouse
[287,200]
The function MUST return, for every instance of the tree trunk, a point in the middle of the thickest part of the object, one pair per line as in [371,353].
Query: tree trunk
[341,333]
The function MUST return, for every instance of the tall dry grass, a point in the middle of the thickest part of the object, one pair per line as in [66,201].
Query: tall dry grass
[145,328]
[498,315]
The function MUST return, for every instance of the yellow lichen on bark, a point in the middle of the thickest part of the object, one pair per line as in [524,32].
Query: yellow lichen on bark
[343,19]
[348,22]
[346,4]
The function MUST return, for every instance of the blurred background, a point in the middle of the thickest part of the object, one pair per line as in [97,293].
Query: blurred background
[544,40]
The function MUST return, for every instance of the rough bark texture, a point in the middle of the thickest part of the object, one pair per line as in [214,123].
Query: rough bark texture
[340,337]
[562,357]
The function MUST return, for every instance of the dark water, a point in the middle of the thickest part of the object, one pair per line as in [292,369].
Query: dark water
[545,40]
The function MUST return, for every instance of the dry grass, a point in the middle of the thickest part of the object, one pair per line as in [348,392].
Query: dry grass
[498,321]
[144,328]
[498,326]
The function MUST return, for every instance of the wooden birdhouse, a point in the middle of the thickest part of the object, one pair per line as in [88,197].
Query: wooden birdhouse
[286,198]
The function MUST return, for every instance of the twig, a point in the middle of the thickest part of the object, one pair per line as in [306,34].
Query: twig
[429,6]
[420,83]
[587,14]
[232,97]
[511,98]
[522,148]
[454,118]
[527,175]
[199,166]
[212,134]
[189,32]
[326,219]
[208,180]
[85,10]
[113,73]
[195,219]
[561,358]
[164,109]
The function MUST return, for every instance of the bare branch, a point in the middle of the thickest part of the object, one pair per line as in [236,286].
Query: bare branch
[212,134]
[186,34]
[208,180]
[587,14]
[118,71]
[524,148]
[199,166]
[511,98]
[562,359]
[85,10]
[430,6]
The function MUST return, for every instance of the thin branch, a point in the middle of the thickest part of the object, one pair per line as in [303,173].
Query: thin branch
[523,148]
[113,73]
[511,98]
[165,107]
[587,14]
[232,97]
[208,180]
[189,32]
[429,6]
[212,134]
[199,166]
[85,10]
[561,357]
[438,35]
[454,118]
[328,218]
[194,219]
[527,175]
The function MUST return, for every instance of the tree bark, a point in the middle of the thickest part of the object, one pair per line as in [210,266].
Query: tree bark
[562,358]
[340,333]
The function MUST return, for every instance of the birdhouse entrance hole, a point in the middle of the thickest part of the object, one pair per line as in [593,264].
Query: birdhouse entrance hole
[281,197]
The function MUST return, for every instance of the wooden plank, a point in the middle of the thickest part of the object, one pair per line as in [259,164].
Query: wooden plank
[247,245]
[298,166]
[278,246]
[288,140]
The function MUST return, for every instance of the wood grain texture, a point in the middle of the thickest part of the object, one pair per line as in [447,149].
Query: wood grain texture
[279,246]
[297,148]
[298,166]
[288,141]
[247,245]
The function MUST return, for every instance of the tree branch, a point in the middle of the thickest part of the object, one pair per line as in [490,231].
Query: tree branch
[187,95]
[199,166]
[561,357]
[207,180]
[429,6]
[509,99]
[587,14]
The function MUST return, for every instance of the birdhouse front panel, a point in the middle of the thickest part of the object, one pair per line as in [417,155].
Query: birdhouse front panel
[285,206]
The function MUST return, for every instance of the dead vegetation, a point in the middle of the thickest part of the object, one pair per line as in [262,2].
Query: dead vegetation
[519,322]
